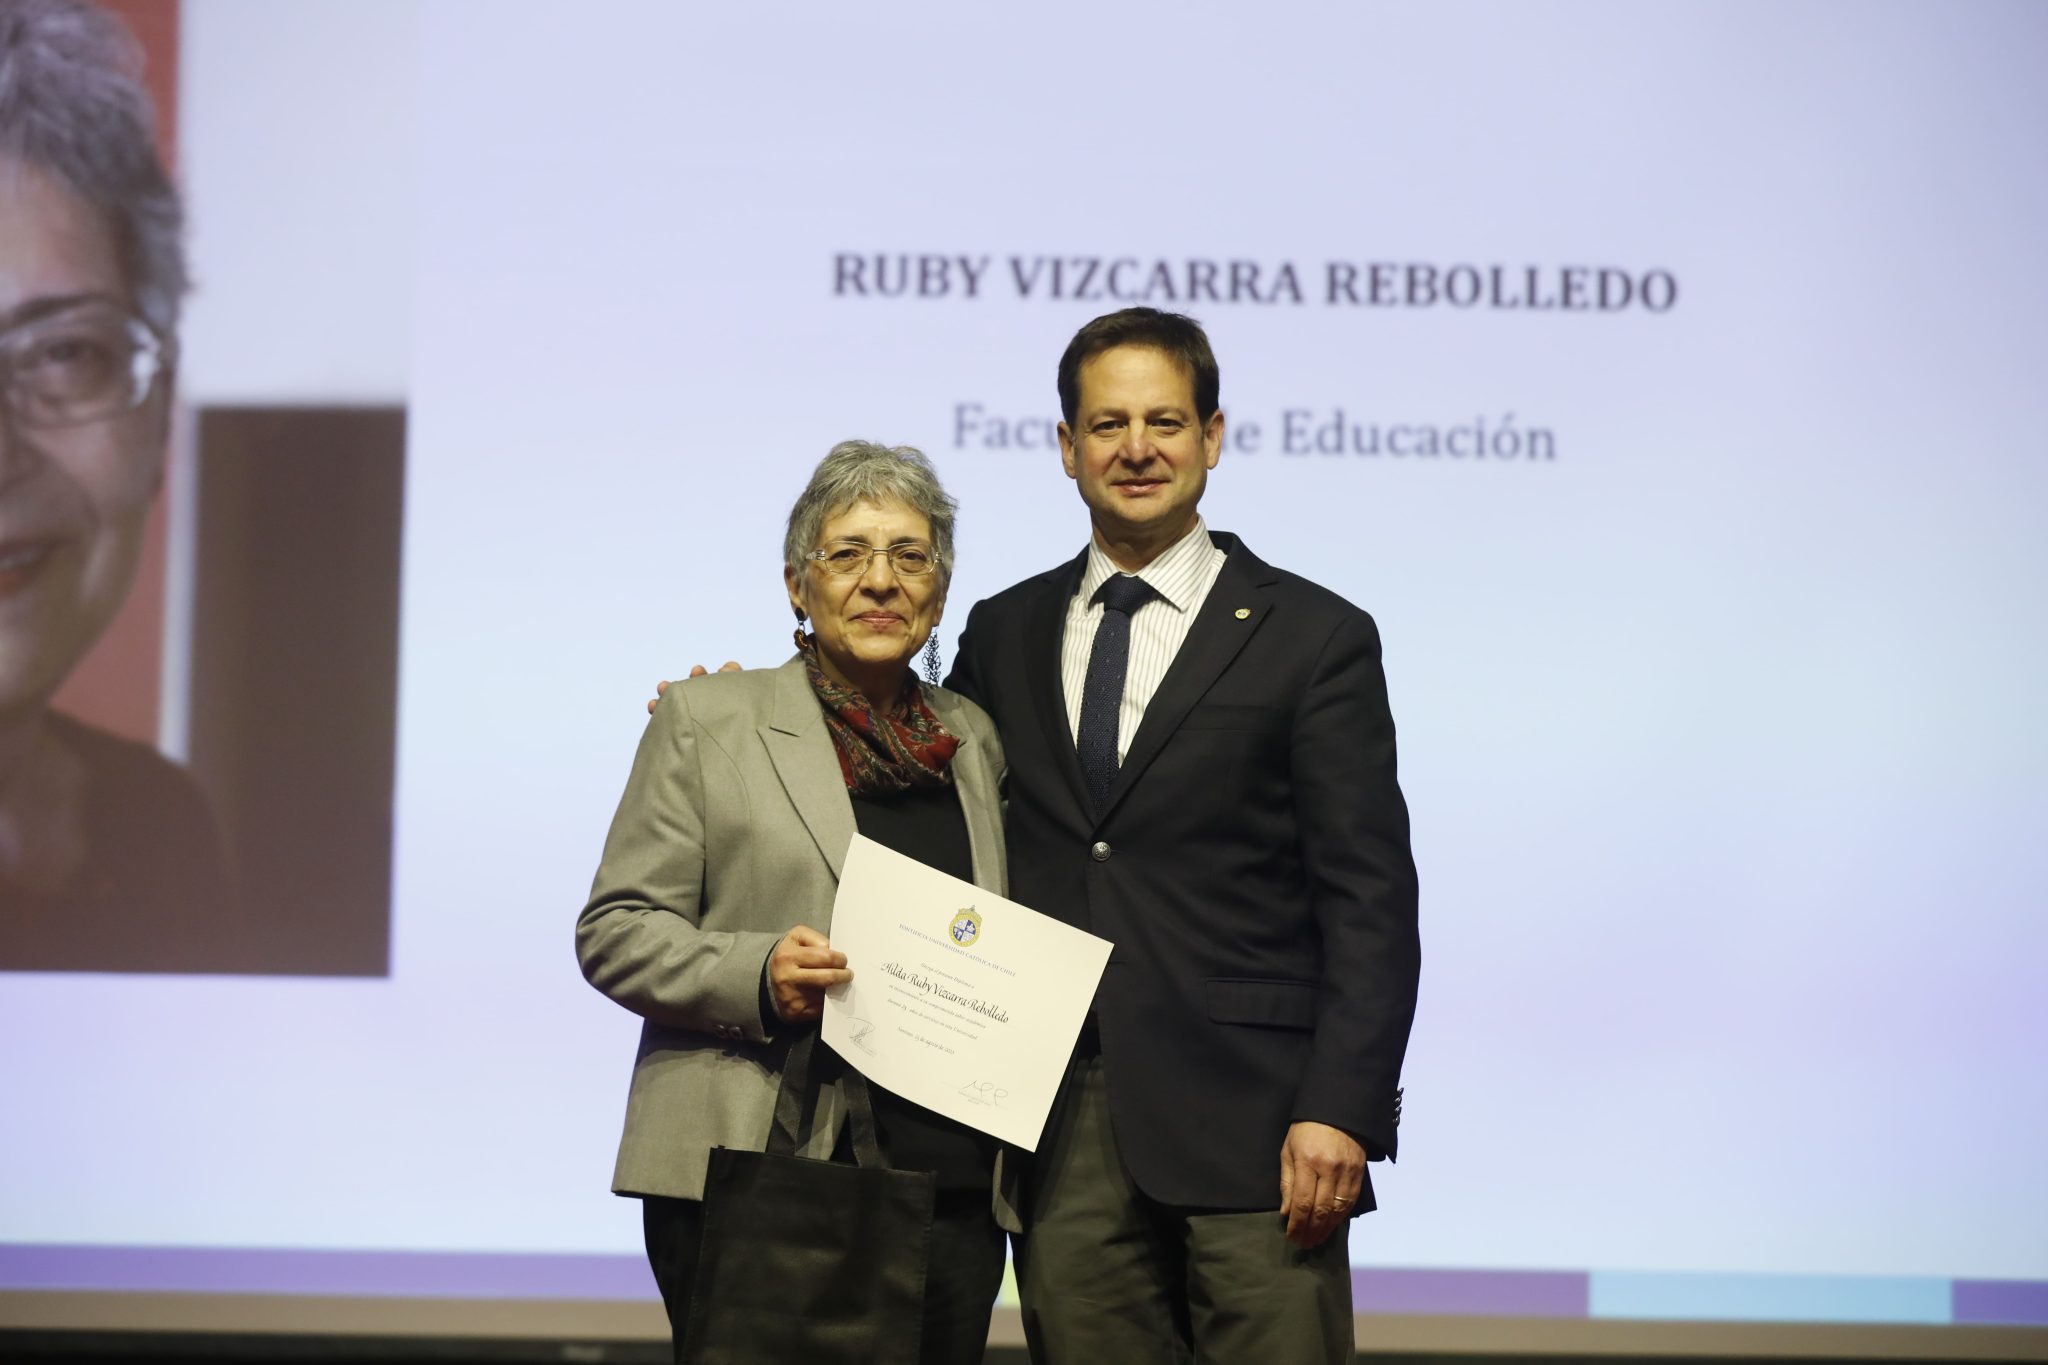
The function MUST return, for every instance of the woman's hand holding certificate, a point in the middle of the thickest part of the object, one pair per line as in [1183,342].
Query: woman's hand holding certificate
[967,1003]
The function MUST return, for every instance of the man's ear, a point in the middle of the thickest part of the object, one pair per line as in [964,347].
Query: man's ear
[1067,459]
[1212,439]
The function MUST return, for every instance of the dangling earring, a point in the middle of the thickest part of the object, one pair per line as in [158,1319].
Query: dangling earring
[931,658]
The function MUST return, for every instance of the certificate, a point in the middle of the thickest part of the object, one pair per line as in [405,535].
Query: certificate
[967,1003]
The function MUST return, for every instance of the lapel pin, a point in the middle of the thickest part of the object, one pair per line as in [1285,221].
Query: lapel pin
[1243,613]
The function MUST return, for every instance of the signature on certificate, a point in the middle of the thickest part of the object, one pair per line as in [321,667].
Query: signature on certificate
[857,1031]
[984,1092]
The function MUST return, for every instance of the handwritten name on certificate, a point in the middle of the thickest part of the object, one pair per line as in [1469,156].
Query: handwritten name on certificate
[967,1003]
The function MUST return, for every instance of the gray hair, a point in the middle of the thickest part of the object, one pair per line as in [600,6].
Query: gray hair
[862,471]
[72,105]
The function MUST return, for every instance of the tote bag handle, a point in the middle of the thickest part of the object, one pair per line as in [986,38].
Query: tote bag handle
[796,1106]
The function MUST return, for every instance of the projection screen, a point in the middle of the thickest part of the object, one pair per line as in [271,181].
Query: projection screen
[1666,380]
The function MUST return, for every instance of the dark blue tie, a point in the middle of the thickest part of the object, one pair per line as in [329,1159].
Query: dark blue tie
[1102,692]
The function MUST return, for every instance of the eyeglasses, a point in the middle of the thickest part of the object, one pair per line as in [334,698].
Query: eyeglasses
[79,366]
[849,557]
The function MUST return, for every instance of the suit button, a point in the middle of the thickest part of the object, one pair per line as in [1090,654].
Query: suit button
[1100,853]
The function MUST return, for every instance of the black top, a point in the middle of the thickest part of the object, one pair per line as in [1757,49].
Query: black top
[153,894]
[927,824]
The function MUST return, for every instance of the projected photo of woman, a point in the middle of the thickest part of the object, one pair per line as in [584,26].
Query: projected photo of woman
[710,911]
[108,857]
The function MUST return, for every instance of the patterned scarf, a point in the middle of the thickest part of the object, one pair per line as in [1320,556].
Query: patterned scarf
[878,754]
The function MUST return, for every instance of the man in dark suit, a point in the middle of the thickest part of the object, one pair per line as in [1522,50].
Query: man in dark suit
[1201,771]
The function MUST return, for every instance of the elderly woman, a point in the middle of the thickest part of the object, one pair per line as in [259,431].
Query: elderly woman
[108,860]
[710,911]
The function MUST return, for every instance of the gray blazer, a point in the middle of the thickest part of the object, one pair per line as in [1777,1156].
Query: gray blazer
[731,831]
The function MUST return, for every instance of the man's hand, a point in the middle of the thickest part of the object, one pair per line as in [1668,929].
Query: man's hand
[799,970]
[696,671]
[1321,1171]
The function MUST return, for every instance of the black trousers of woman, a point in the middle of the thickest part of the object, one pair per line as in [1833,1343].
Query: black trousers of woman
[966,1270]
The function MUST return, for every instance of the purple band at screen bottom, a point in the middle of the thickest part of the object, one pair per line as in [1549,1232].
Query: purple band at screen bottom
[394,1274]
[1493,1293]
[372,1274]
[2011,1303]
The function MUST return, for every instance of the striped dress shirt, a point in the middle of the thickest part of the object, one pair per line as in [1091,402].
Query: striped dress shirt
[1182,577]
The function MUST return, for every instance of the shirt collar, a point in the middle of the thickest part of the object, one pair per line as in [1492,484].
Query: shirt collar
[1174,575]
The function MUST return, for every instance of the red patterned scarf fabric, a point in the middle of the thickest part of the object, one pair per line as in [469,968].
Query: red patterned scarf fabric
[881,754]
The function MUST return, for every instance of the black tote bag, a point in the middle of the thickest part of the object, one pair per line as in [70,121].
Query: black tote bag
[810,1261]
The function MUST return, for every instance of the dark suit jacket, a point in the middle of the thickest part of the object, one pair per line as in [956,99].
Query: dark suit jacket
[153,893]
[1252,869]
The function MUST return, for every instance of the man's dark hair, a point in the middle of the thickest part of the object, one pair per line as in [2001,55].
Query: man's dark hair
[1181,337]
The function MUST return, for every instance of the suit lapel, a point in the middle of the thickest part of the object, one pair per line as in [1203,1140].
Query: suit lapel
[1045,628]
[1218,636]
[807,764]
